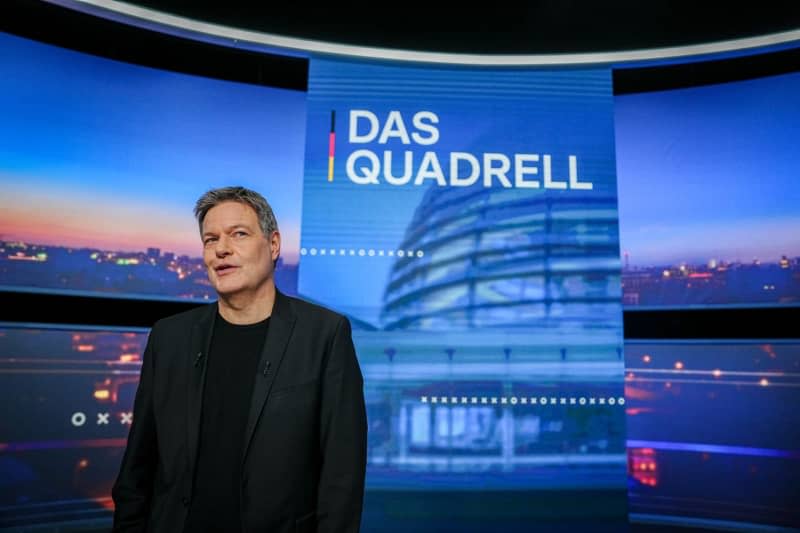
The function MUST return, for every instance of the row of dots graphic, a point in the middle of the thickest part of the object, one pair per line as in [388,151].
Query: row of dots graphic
[361,252]
[523,400]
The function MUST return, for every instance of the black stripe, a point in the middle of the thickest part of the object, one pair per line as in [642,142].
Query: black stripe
[711,323]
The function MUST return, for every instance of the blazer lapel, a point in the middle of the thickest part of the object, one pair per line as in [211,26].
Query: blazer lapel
[199,346]
[280,330]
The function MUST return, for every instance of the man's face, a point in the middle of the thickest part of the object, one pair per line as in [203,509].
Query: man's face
[237,255]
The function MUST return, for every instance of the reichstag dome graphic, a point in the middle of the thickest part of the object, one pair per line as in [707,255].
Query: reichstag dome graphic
[507,258]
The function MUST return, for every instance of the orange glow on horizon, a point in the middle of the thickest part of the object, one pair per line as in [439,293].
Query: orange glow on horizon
[80,219]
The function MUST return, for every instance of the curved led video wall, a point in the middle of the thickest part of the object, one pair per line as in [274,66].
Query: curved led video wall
[467,222]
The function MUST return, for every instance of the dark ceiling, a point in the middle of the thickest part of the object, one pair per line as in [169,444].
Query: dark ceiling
[543,27]
[535,27]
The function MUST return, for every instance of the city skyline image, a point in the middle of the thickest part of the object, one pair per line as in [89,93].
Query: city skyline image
[708,194]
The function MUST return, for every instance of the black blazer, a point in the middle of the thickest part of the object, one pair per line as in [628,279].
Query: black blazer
[304,452]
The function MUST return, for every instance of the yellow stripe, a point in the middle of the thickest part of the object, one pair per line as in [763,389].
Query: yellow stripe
[330,169]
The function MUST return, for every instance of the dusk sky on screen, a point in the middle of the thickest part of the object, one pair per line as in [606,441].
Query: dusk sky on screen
[95,152]
[710,172]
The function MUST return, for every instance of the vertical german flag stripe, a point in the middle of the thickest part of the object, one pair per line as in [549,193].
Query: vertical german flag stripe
[331,145]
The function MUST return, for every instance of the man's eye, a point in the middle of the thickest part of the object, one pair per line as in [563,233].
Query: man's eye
[240,233]
[211,239]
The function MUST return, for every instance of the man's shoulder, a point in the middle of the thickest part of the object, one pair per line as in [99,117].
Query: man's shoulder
[305,310]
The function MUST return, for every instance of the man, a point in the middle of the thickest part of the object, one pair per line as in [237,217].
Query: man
[249,415]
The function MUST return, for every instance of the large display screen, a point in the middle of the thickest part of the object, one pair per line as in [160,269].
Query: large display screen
[101,163]
[709,195]
[467,221]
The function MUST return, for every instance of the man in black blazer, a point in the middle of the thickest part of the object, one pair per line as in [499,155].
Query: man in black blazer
[249,415]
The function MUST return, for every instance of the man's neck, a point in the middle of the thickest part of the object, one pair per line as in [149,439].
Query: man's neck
[247,308]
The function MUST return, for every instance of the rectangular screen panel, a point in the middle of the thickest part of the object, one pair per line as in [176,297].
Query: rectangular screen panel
[69,396]
[714,433]
[101,163]
[709,194]
[466,221]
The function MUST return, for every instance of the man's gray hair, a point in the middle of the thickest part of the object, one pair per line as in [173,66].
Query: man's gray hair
[266,218]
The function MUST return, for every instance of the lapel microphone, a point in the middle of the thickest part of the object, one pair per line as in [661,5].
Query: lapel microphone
[266,368]
[197,359]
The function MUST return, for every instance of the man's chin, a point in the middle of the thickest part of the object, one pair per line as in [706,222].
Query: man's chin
[229,289]
[225,289]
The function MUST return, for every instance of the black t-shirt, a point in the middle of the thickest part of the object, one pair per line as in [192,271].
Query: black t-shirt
[232,368]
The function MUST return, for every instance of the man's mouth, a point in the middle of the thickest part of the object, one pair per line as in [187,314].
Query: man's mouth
[224,269]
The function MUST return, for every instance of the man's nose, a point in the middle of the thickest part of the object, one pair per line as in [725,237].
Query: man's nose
[221,247]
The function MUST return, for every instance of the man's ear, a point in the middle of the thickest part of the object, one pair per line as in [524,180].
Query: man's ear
[275,245]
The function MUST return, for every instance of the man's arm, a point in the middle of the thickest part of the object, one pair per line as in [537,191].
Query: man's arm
[133,489]
[343,438]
